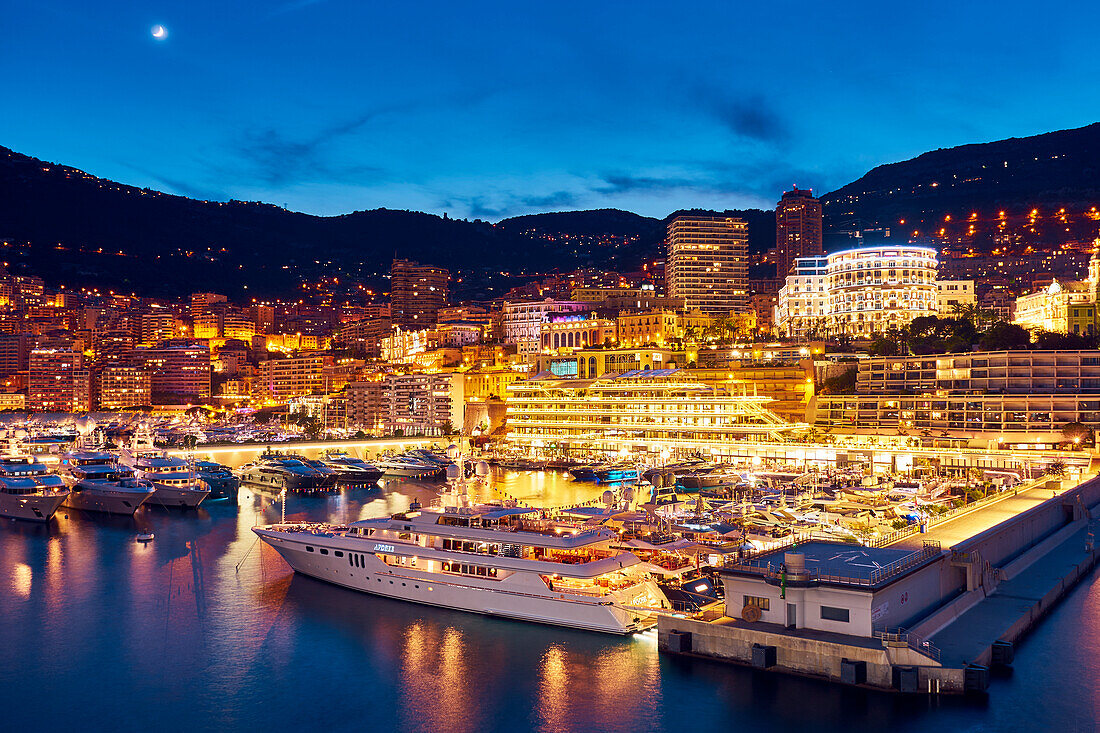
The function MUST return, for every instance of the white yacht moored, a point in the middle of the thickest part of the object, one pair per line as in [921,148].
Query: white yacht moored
[28,490]
[97,483]
[175,481]
[501,561]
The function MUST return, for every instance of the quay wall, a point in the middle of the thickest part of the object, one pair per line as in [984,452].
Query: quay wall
[1003,543]
[807,656]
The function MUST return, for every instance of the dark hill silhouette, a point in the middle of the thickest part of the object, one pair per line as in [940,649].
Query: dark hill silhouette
[1052,170]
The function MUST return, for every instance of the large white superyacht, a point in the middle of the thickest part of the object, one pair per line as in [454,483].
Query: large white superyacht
[175,481]
[488,559]
[28,490]
[98,483]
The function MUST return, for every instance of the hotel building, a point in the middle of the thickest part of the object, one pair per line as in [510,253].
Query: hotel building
[707,263]
[866,291]
[655,411]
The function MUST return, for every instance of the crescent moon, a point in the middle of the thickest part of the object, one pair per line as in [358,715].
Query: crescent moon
[159,31]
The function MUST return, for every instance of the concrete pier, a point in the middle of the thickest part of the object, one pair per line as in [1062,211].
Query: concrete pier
[995,586]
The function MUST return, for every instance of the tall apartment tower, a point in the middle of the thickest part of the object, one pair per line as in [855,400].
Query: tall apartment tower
[200,302]
[708,263]
[797,229]
[417,292]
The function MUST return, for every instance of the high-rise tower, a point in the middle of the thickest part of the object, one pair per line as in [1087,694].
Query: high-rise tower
[707,263]
[797,229]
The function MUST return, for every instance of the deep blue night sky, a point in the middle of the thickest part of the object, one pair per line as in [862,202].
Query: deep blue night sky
[494,109]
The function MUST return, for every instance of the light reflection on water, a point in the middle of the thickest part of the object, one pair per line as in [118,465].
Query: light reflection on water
[117,635]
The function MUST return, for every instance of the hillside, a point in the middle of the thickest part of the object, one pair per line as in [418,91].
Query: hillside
[1045,172]
[111,234]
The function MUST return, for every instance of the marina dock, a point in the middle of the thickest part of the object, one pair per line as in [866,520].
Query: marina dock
[973,601]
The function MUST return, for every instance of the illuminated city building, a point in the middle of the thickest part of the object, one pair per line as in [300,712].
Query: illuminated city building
[657,411]
[952,294]
[482,384]
[278,380]
[201,301]
[179,371]
[15,352]
[867,291]
[797,229]
[653,327]
[57,381]
[576,332]
[417,292]
[1063,307]
[986,398]
[124,386]
[423,404]
[802,306]
[403,346]
[874,289]
[263,317]
[365,405]
[522,321]
[156,327]
[707,263]
[329,410]
[223,321]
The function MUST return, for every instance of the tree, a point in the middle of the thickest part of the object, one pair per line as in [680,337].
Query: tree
[1005,336]
[1056,469]
[1077,433]
[1052,341]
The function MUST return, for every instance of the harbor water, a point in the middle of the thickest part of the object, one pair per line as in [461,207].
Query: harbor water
[204,629]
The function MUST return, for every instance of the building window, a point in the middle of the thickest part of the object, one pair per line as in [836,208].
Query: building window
[760,602]
[829,613]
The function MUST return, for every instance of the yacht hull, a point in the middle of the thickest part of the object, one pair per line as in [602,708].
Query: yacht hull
[178,496]
[412,472]
[409,584]
[32,507]
[110,501]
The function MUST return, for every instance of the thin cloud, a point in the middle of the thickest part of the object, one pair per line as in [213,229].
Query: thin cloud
[279,160]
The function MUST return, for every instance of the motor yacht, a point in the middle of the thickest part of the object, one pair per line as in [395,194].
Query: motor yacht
[219,479]
[494,560]
[283,472]
[176,483]
[351,469]
[97,483]
[28,490]
[409,467]
[617,473]
[584,473]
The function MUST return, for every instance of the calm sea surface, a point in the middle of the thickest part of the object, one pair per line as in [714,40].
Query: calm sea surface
[100,633]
